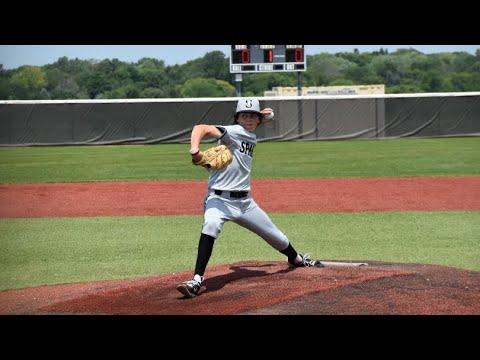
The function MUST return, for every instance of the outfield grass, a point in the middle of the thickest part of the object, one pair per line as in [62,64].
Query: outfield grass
[353,158]
[63,250]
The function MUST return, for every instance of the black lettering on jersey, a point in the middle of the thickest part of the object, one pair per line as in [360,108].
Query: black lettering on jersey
[242,150]
[247,148]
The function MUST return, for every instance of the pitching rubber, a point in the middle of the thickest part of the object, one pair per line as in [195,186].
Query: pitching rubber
[343,264]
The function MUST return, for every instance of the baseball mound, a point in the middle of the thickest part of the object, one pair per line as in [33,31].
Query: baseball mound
[255,287]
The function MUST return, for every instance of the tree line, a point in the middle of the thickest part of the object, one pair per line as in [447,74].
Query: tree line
[402,71]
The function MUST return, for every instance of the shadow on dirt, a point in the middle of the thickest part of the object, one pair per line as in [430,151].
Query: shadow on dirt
[240,272]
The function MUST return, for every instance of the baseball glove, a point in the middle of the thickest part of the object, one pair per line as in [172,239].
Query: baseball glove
[214,158]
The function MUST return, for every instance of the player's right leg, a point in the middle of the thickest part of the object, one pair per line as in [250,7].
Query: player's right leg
[215,216]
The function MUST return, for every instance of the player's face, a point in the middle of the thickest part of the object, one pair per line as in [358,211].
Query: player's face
[249,121]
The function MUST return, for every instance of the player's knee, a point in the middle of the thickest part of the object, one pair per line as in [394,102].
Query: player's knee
[212,228]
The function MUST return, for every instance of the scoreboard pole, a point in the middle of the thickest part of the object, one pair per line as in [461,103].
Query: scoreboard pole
[299,104]
[299,83]
[238,83]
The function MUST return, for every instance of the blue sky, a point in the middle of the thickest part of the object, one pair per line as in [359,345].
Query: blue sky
[13,56]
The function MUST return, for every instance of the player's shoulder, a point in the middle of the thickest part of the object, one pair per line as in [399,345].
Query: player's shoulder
[231,129]
[234,127]
[237,132]
[239,129]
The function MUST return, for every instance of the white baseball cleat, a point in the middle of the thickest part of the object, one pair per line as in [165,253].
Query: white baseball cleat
[307,262]
[189,288]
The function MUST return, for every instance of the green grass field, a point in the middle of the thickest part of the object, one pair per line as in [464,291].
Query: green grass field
[354,158]
[62,250]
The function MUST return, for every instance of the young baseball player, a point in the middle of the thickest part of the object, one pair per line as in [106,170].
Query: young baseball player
[228,197]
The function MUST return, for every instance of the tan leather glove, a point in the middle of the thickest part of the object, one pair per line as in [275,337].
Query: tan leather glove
[214,158]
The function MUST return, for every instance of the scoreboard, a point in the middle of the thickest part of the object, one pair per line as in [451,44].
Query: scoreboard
[267,58]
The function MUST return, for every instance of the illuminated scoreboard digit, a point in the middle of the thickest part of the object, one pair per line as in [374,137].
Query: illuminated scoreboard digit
[267,58]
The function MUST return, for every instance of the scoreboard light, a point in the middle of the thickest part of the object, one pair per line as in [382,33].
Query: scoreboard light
[268,56]
[298,55]
[245,56]
[241,56]
[294,55]
[264,47]
[240,47]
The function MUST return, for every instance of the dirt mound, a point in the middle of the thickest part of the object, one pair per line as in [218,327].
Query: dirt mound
[255,287]
[425,290]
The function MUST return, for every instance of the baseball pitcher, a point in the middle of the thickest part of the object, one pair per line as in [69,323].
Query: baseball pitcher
[228,197]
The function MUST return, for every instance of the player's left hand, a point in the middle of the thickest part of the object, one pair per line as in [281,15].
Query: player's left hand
[267,114]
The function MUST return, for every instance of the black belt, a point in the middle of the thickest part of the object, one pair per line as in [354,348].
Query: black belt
[233,194]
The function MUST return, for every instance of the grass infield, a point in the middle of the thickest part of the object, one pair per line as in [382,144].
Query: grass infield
[62,250]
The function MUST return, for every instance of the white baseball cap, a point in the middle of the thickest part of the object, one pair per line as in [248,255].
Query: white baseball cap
[248,105]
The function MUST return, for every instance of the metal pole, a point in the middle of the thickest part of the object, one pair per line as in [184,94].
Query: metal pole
[238,83]
[299,103]
[299,83]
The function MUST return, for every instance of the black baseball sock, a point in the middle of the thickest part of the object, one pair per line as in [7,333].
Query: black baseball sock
[291,253]
[205,247]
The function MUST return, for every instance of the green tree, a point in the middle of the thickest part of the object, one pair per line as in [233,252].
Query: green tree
[404,88]
[128,91]
[388,68]
[96,83]
[463,62]
[323,68]
[27,82]
[67,88]
[54,77]
[153,93]
[151,72]
[44,94]
[216,65]
[4,83]
[432,81]
[213,64]
[465,81]
[258,83]
[126,73]
[341,81]
[203,87]
[362,75]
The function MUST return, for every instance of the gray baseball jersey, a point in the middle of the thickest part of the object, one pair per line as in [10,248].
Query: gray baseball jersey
[236,177]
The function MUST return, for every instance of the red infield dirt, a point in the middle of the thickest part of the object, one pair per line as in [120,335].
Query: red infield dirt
[254,287]
[279,195]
